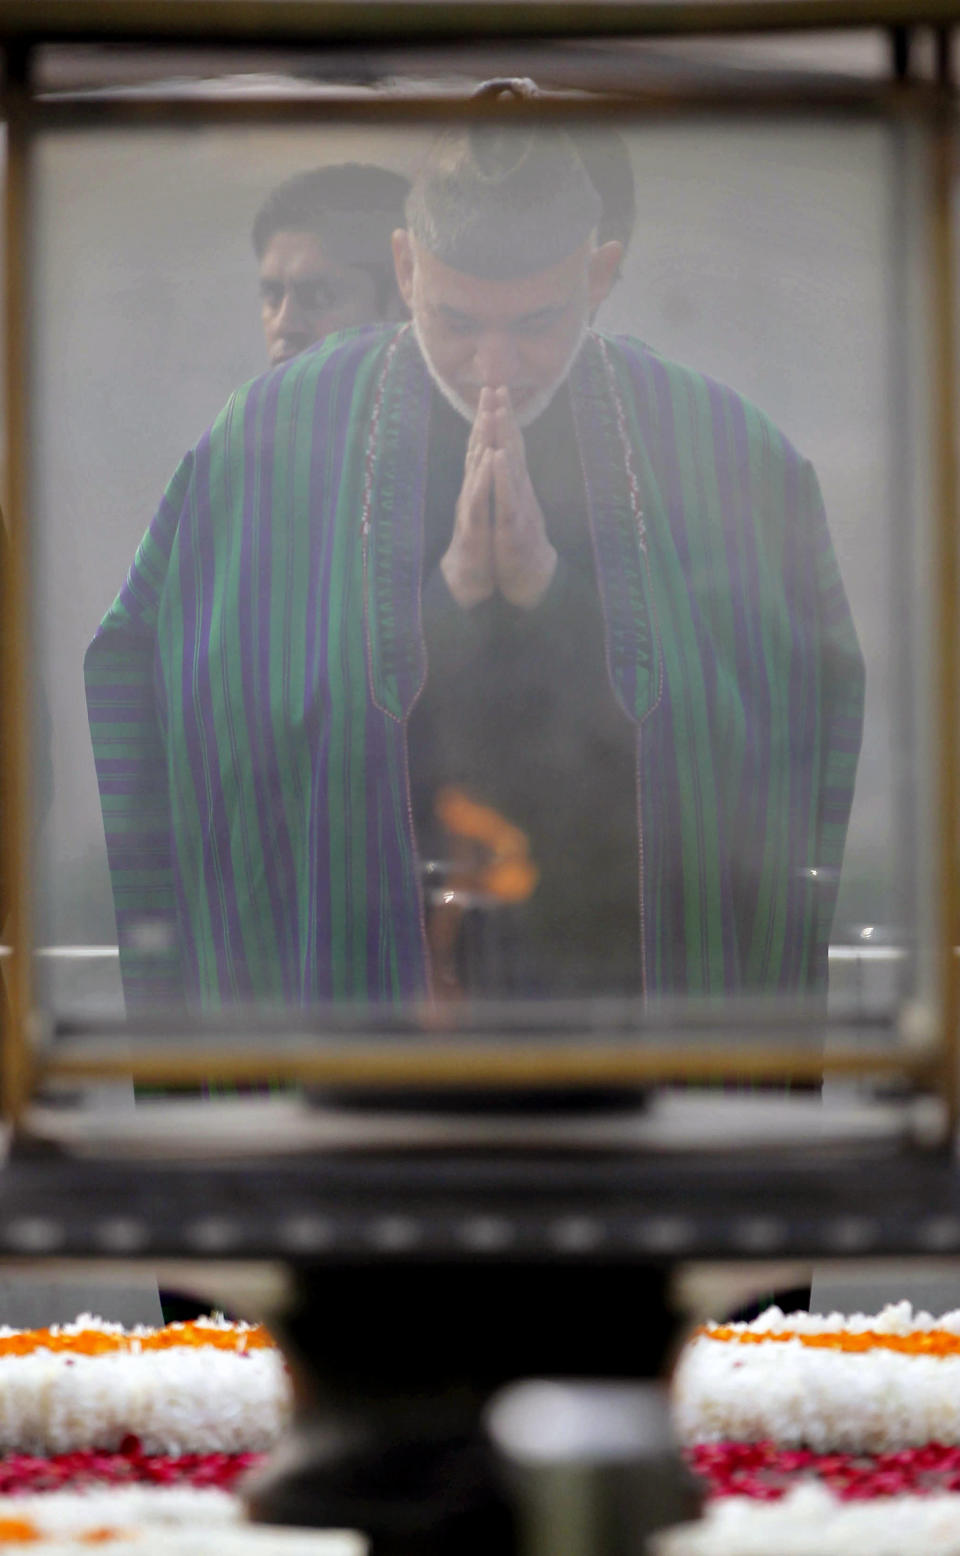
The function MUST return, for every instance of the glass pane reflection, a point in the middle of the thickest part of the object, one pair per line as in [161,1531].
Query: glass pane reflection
[552,695]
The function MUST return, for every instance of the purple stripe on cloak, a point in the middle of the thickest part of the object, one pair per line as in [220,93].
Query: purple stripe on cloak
[655,739]
[336,402]
[708,667]
[396,655]
[326,458]
[104,710]
[288,904]
[191,747]
[259,456]
[763,484]
[802,705]
[663,817]
[342,649]
[151,847]
[350,609]
[408,384]
[720,456]
[591,416]
[238,756]
[326,473]
[113,702]
[598,447]
[202,743]
[396,902]
[798,740]
[139,590]
[756,791]
[797,886]
[317,971]
[231,948]
[115,767]
[725,469]
[184,980]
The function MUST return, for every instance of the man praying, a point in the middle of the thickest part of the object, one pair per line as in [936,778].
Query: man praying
[489,580]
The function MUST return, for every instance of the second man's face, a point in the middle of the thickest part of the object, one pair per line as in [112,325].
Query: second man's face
[305,294]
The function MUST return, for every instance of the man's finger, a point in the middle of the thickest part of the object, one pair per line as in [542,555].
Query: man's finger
[483,431]
[481,441]
[468,563]
[513,449]
[509,438]
[480,436]
[477,490]
[506,506]
[508,433]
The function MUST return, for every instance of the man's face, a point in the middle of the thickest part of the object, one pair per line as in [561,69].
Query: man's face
[520,334]
[305,294]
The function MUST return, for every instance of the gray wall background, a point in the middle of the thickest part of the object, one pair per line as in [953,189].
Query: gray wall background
[764,255]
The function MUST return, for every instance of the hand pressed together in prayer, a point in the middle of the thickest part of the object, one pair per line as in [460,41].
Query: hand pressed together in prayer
[499,534]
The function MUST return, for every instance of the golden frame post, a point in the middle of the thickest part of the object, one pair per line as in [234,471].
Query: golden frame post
[363,1059]
[944,281]
[15,864]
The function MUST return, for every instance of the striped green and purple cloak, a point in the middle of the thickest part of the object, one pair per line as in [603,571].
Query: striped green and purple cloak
[248,690]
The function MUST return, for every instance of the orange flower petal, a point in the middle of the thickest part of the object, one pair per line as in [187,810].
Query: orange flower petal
[921,1342]
[94,1342]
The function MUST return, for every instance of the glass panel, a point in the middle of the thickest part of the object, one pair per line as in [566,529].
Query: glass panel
[289,770]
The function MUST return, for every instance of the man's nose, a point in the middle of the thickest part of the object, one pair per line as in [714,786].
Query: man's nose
[497,360]
[289,316]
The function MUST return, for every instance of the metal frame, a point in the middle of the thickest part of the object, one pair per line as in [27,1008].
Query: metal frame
[365,1059]
[217,23]
[473,1207]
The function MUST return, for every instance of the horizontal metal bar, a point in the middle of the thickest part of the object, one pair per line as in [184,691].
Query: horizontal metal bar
[572,1045]
[525,1206]
[736,99]
[257,23]
[840,955]
[462,1063]
[888,955]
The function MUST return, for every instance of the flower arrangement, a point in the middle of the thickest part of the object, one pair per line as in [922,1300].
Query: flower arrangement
[823,1435]
[811,1522]
[196,1392]
[860,1385]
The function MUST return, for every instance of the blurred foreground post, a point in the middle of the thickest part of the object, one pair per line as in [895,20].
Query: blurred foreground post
[398,1438]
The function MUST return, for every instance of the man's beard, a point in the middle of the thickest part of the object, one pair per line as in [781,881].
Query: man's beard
[528,413]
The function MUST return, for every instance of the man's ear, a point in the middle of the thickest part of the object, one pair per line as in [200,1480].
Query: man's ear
[403,263]
[604,267]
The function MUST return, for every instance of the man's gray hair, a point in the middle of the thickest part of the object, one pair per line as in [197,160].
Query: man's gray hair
[501,202]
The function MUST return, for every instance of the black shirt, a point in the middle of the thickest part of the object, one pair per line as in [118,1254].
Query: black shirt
[518,712]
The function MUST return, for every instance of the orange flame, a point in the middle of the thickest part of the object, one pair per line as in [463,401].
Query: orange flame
[509,874]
